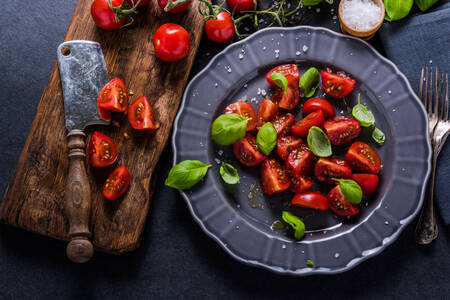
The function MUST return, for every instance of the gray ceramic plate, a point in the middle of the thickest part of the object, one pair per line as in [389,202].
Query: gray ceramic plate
[242,227]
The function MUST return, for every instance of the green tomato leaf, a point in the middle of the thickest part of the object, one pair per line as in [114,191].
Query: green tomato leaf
[425,4]
[227,129]
[280,80]
[378,136]
[350,189]
[310,263]
[266,139]
[296,223]
[186,174]
[397,9]
[363,114]
[318,142]
[310,81]
[229,173]
[311,2]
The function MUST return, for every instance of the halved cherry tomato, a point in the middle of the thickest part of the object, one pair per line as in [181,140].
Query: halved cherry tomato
[171,42]
[286,144]
[302,127]
[104,17]
[140,115]
[244,109]
[336,85]
[220,29]
[246,151]
[328,168]
[367,182]
[114,96]
[274,178]
[102,150]
[176,9]
[240,5]
[103,113]
[311,199]
[339,205]
[267,111]
[289,99]
[300,160]
[289,71]
[117,183]
[300,183]
[283,124]
[363,158]
[342,130]
[318,103]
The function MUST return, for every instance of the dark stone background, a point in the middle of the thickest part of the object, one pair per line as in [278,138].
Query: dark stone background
[176,259]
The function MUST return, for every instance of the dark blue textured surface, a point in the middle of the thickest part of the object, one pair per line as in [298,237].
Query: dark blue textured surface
[176,259]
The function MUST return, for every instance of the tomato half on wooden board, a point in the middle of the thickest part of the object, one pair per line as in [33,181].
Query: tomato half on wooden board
[241,5]
[311,199]
[314,104]
[339,205]
[267,112]
[363,158]
[246,151]
[105,18]
[114,96]
[286,144]
[140,115]
[117,183]
[103,113]
[274,178]
[289,71]
[175,8]
[342,130]
[328,168]
[301,128]
[244,109]
[171,42]
[336,85]
[287,100]
[300,183]
[102,151]
[283,124]
[300,160]
[367,182]
[220,29]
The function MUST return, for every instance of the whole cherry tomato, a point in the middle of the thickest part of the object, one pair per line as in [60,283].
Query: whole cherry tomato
[240,5]
[171,42]
[175,6]
[221,28]
[105,17]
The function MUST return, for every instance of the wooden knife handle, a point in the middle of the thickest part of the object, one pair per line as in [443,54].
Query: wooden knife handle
[78,200]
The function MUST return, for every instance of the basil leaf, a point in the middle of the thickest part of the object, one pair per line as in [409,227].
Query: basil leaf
[311,2]
[397,9]
[296,223]
[318,142]
[229,173]
[363,114]
[378,136]
[186,174]
[266,139]
[350,189]
[227,129]
[425,4]
[310,81]
[280,80]
[310,263]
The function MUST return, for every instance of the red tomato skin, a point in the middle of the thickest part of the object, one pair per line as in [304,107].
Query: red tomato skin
[240,5]
[339,205]
[246,151]
[244,109]
[363,158]
[110,189]
[300,183]
[342,130]
[288,100]
[103,16]
[286,144]
[336,85]
[274,178]
[102,151]
[103,113]
[318,103]
[300,161]
[171,42]
[290,71]
[311,199]
[220,30]
[328,168]
[316,118]
[267,112]
[367,182]
[177,9]
[114,96]
[140,115]
[283,124]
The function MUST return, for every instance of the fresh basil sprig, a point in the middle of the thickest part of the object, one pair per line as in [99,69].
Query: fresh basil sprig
[378,136]
[186,174]
[296,223]
[280,80]
[350,189]
[310,263]
[425,4]
[229,173]
[397,9]
[318,142]
[363,114]
[310,80]
[311,2]
[266,139]
[227,129]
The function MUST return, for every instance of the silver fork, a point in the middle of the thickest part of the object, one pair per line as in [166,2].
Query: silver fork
[439,125]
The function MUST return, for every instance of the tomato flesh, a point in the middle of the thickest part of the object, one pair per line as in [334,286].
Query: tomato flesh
[342,130]
[240,5]
[104,17]
[267,112]
[300,160]
[114,96]
[140,115]
[302,127]
[246,151]
[314,104]
[286,144]
[283,124]
[287,100]
[300,183]
[221,29]
[367,182]
[163,3]
[117,183]
[274,178]
[339,205]
[102,151]
[103,113]
[311,199]
[328,168]
[289,71]
[244,109]
[336,85]
[363,158]
[171,42]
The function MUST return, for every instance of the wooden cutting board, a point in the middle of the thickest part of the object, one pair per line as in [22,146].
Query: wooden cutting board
[34,199]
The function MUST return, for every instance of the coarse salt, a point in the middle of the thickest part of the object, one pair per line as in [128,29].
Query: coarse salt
[361,14]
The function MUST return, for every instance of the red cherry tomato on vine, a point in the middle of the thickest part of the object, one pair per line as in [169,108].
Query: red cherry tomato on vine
[105,18]
[175,8]
[171,42]
[220,29]
[240,5]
